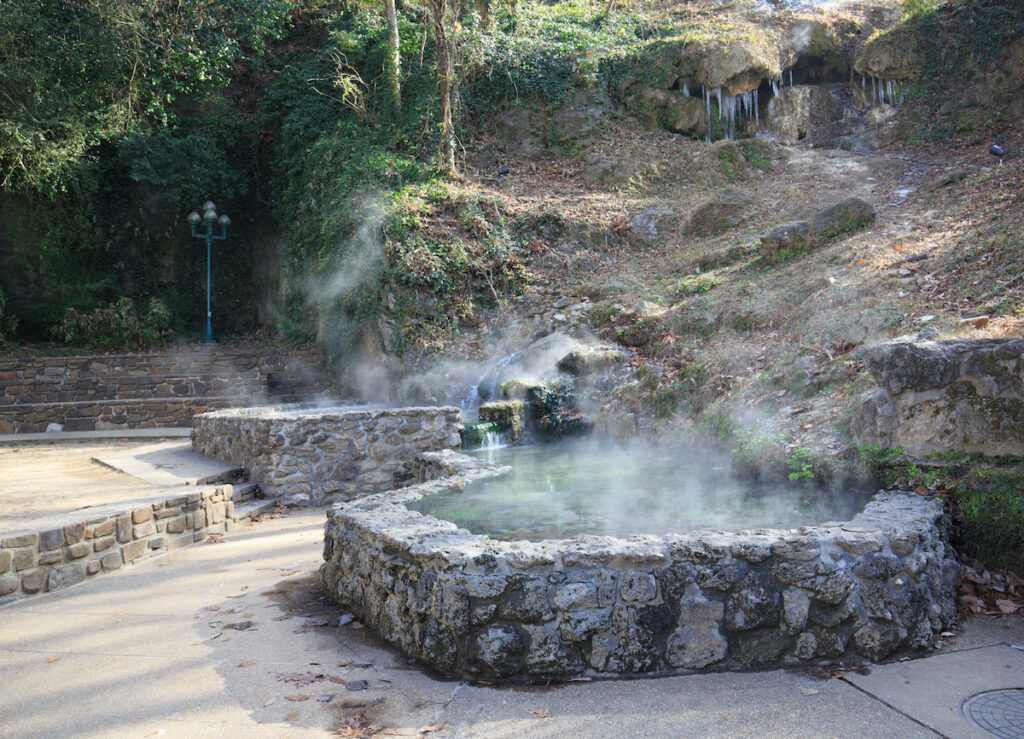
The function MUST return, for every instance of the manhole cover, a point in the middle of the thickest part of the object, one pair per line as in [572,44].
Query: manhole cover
[998,712]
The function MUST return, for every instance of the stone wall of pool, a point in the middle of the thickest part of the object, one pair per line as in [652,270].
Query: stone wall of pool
[314,456]
[873,587]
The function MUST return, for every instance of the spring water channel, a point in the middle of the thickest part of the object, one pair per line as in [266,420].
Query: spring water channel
[568,489]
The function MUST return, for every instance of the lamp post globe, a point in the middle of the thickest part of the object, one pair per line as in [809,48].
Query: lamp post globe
[203,227]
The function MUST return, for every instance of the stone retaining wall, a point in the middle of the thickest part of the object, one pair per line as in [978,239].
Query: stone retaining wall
[304,456]
[881,584]
[49,557]
[935,396]
[145,390]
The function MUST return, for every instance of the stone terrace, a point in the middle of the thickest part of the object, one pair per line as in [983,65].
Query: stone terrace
[151,390]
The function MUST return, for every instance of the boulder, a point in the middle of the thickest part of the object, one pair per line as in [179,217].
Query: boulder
[726,210]
[797,237]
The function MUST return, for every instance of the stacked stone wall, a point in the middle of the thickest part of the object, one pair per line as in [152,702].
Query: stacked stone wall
[303,457]
[148,390]
[881,584]
[43,558]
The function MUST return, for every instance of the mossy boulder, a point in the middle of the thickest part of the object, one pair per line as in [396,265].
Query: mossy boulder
[799,237]
[509,415]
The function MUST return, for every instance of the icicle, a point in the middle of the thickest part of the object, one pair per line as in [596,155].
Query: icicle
[757,110]
[863,82]
[718,94]
[686,89]
[874,90]
[790,77]
[707,108]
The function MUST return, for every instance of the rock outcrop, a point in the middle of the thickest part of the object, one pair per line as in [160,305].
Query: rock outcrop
[965,394]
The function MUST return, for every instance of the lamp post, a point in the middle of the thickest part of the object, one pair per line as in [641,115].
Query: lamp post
[208,220]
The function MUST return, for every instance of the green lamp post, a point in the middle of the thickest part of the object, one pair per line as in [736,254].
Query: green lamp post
[208,220]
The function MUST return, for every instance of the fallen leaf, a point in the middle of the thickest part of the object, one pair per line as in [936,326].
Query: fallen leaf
[298,697]
[52,660]
[293,716]
[357,685]
[337,680]
[247,663]
[540,713]
[156,732]
[432,729]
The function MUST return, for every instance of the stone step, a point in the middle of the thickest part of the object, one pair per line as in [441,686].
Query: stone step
[251,511]
[244,491]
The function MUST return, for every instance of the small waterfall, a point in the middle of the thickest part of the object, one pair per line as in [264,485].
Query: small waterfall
[493,440]
[485,386]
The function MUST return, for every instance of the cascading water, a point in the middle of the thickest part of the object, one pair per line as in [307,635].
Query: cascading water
[485,387]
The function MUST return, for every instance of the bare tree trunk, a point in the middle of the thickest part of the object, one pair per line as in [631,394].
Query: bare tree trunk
[394,62]
[446,82]
[483,9]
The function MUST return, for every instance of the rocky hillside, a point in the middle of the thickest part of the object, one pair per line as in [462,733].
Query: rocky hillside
[744,297]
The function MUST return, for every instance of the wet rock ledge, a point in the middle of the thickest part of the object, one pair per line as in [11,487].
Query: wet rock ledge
[879,585]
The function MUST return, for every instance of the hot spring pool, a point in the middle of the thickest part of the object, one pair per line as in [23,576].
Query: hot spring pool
[557,491]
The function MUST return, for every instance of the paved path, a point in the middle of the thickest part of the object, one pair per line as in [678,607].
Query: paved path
[151,651]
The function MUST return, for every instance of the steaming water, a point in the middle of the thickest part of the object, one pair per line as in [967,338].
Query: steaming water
[564,490]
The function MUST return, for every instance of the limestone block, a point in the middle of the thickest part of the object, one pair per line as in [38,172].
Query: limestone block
[124,529]
[24,558]
[50,558]
[112,561]
[33,580]
[134,550]
[6,560]
[15,541]
[141,515]
[65,575]
[8,584]
[74,533]
[79,550]
[143,530]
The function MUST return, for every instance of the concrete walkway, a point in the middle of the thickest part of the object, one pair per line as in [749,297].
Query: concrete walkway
[232,638]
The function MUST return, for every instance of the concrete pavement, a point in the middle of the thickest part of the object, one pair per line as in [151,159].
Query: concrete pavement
[232,638]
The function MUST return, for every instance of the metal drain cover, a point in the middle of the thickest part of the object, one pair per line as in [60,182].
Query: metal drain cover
[997,712]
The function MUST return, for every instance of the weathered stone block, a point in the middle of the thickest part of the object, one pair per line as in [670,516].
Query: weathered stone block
[143,530]
[79,550]
[24,558]
[112,561]
[106,542]
[133,550]
[176,525]
[124,529]
[51,539]
[141,515]
[74,533]
[91,568]
[103,529]
[65,575]
[33,580]
[14,541]
[8,584]
[638,587]
[50,558]
[6,560]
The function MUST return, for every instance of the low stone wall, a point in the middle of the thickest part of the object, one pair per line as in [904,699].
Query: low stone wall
[933,396]
[52,556]
[306,456]
[881,584]
[149,389]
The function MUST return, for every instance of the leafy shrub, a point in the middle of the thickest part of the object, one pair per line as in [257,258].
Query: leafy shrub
[118,327]
[989,518]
